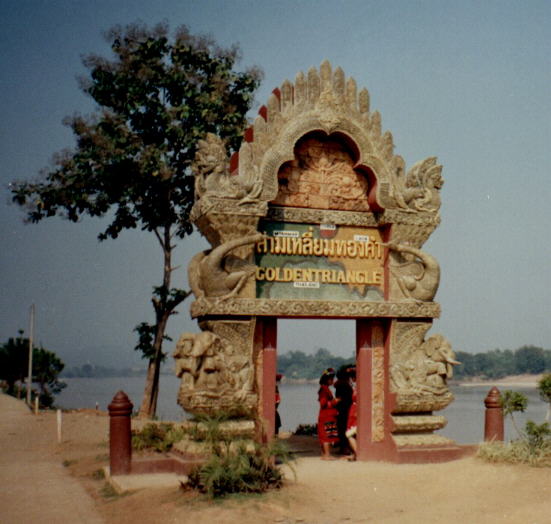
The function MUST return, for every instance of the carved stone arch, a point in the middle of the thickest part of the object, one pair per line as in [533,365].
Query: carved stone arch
[283,148]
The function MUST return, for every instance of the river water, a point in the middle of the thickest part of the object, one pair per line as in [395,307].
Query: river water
[298,403]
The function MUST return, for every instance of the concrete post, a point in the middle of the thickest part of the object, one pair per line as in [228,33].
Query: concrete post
[120,442]
[493,419]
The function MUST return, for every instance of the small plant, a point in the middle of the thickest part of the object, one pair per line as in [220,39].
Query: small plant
[157,437]
[67,463]
[306,429]
[242,470]
[98,474]
[538,437]
[513,402]
[237,466]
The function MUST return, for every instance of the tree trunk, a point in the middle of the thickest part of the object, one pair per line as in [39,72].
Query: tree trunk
[148,406]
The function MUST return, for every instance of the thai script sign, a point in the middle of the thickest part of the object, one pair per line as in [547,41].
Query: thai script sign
[325,262]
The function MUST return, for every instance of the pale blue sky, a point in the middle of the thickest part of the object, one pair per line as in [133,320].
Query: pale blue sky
[466,81]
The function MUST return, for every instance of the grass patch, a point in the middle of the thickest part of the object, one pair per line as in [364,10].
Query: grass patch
[157,437]
[108,492]
[516,452]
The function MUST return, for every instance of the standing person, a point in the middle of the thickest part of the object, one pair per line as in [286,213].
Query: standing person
[327,418]
[352,423]
[279,376]
[343,394]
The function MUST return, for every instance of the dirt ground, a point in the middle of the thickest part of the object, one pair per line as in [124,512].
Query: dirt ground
[464,491]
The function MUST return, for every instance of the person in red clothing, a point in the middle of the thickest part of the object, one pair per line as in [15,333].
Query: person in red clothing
[352,424]
[327,418]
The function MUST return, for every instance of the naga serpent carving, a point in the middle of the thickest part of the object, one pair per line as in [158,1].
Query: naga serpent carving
[418,276]
[209,276]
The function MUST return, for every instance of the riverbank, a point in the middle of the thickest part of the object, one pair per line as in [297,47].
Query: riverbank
[43,476]
[526,381]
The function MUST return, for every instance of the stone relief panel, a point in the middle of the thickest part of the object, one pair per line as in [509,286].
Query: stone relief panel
[215,367]
[322,176]
[378,386]
[419,368]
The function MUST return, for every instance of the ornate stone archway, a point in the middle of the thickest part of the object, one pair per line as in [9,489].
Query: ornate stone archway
[315,216]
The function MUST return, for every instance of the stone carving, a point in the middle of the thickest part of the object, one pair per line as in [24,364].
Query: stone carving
[216,372]
[416,273]
[212,177]
[420,190]
[427,368]
[204,306]
[213,273]
[322,176]
[420,368]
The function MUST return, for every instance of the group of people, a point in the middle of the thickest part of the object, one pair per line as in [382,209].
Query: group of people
[337,420]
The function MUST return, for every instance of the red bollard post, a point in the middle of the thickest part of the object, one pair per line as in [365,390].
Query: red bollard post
[493,420]
[120,442]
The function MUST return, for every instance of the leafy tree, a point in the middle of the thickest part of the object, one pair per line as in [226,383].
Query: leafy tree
[544,388]
[530,359]
[47,366]
[14,361]
[156,97]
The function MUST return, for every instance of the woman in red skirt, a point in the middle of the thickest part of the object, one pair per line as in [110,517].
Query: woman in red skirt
[327,419]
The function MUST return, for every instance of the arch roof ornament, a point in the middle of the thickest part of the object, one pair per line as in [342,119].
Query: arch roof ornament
[323,101]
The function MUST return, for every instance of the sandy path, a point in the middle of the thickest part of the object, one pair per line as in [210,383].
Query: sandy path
[35,485]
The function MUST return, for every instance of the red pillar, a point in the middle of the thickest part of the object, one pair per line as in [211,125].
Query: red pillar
[120,442]
[493,418]
[374,399]
[363,387]
[269,370]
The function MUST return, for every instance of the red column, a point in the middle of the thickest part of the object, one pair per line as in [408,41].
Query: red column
[493,418]
[269,370]
[120,442]
[363,387]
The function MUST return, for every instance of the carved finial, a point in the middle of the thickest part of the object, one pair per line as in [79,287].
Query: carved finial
[286,95]
[351,95]
[273,106]
[313,85]
[364,101]
[325,75]
[376,123]
[338,82]
[388,145]
[300,89]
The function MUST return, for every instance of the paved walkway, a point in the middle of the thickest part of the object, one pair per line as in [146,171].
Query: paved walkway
[34,486]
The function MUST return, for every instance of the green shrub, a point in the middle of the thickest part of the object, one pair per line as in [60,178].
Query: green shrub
[538,438]
[236,466]
[157,437]
[512,402]
[240,470]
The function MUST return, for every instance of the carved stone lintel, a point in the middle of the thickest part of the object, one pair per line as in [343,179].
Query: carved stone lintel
[314,308]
